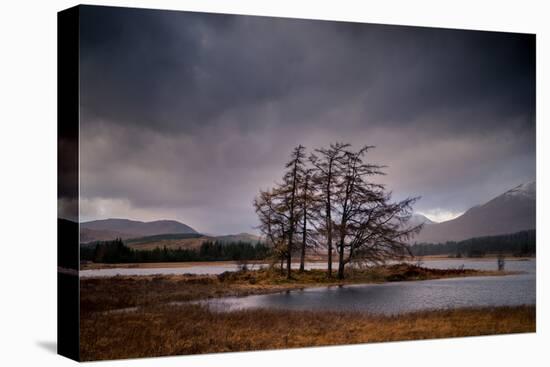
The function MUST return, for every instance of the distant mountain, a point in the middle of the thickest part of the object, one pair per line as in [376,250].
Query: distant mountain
[91,235]
[417,219]
[512,211]
[106,229]
[190,241]
[149,235]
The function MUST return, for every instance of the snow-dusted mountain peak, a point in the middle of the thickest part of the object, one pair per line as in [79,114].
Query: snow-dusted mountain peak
[527,190]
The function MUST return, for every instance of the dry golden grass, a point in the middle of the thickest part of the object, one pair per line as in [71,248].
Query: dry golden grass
[101,294]
[192,329]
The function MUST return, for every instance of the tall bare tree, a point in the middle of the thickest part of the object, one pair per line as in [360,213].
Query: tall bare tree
[334,203]
[279,209]
[272,222]
[326,173]
[308,208]
[369,226]
[289,188]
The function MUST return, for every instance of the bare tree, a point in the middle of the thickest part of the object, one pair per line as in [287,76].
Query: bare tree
[289,189]
[369,226]
[272,223]
[334,203]
[279,209]
[308,207]
[325,162]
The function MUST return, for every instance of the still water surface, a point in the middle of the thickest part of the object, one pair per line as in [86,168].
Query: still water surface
[387,298]
[399,297]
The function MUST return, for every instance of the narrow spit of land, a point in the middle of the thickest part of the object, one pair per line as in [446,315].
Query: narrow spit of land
[319,260]
[108,293]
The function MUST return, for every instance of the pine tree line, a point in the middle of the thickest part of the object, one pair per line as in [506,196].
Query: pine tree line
[519,244]
[117,252]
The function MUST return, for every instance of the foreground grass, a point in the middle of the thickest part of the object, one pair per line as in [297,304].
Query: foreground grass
[193,329]
[102,294]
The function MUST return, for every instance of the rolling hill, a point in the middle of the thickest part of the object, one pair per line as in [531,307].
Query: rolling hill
[512,211]
[188,241]
[108,229]
[150,235]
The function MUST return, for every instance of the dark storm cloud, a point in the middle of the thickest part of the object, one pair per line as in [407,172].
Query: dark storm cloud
[189,114]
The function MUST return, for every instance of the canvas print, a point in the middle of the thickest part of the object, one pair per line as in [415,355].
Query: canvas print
[236,183]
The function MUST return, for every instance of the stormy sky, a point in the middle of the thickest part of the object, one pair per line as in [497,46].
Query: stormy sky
[186,115]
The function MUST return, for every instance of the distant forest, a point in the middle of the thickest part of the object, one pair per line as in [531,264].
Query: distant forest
[117,252]
[517,244]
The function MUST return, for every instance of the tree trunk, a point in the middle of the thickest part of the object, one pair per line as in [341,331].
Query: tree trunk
[329,265]
[303,258]
[288,266]
[292,221]
[304,235]
[341,263]
[329,220]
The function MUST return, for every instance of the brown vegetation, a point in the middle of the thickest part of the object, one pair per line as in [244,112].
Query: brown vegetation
[192,329]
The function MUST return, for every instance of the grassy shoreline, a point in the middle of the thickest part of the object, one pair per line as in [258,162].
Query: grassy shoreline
[192,329]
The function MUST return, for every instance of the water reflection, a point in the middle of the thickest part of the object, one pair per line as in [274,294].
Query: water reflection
[398,297]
